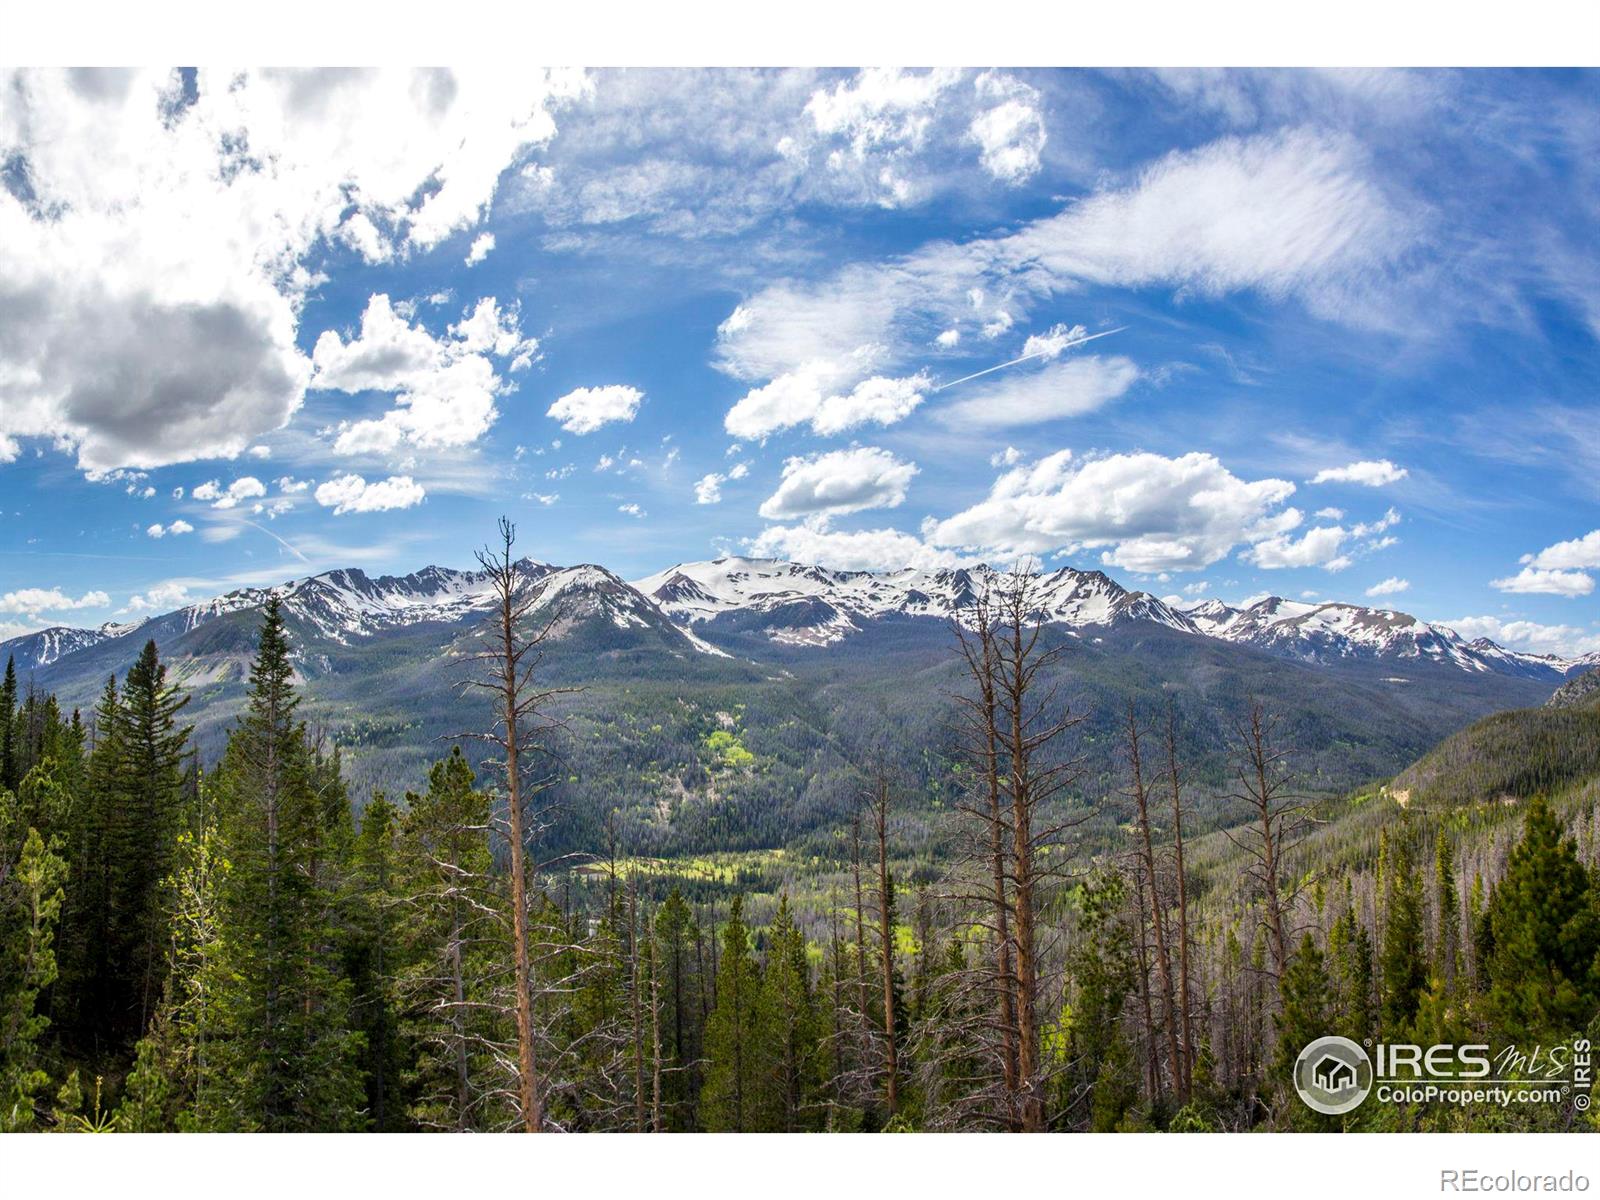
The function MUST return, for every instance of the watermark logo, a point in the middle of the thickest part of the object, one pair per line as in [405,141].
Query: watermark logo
[1333,1075]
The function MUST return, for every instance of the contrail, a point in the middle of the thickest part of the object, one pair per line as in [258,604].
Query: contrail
[280,541]
[1039,354]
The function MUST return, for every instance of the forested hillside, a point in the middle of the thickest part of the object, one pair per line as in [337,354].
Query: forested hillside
[952,897]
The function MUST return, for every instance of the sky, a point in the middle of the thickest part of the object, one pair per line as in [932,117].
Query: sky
[1327,335]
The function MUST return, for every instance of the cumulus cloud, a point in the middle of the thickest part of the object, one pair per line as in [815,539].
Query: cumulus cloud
[1144,512]
[480,249]
[1578,554]
[445,387]
[585,410]
[1010,132]
[708,489]
[1391,586]
[1529,636]
[807,396]
[1538,581]
[843,481]
[31,602]
[630,509]
[246,487]
[1063,389]
[1373,473]
[159,254]
[160,598]
[353,494]
[861,550]
[1318,547]
[176,528]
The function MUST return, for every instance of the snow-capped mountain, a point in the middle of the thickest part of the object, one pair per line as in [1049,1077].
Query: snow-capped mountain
[45,646]
[689,608]
[797,604]
[810,605]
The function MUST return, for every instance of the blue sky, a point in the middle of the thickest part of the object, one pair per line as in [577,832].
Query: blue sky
[255,325]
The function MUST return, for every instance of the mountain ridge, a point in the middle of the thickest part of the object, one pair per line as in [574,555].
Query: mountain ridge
[801,605]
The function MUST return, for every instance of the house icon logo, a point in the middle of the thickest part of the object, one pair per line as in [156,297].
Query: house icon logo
[1333,1075]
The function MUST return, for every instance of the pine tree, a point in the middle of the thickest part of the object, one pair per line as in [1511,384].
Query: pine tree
[456,939]
[1544,924]
[374,960]
[140,833]
[785,1032]
[1307,1013]
[675,936]
[10,774]
[1447,913]
[283,1050]
[731,1101]
[1402,959]
[31,877]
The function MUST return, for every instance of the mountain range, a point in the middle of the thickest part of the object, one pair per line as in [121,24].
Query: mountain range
[798,663]
[692,607]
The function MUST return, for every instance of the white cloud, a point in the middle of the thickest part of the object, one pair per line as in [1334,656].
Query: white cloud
[708,489]
[1011,134]
[291,486]
[843,481]
[585,410]
[863,550]
[33,601]
[808,395]
[1534,580]
[1578,554]
[480,248]
[878,401]
[160,598]
[1529,636]
[1318,547]
[1373,473]
[353,494]
[1329,514]
[246,487]
[1064,389]
[178,527]
[631,509]
[445,387]
[1147,513]
[1293,216]
[158,259]
[1392,586]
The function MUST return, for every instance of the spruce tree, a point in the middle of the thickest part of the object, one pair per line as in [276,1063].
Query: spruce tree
[731,1102]
[1544,923]
[1402,959]
[786,1036]
[455,942]
[140,834]
[285,1053]
[10,775]
[31,877]
[1447,913]
[1307,1013]
[675,936]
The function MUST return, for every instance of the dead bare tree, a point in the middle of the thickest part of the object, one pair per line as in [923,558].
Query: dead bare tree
[878,798]
[1278,818]
[1175,793]
[511,654]
[975,636]
[1139,791]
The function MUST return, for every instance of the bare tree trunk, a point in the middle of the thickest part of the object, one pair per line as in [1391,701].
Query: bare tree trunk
[509,662]
[638,1016]
[1158,921]
[1185,1005]
[880,814]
